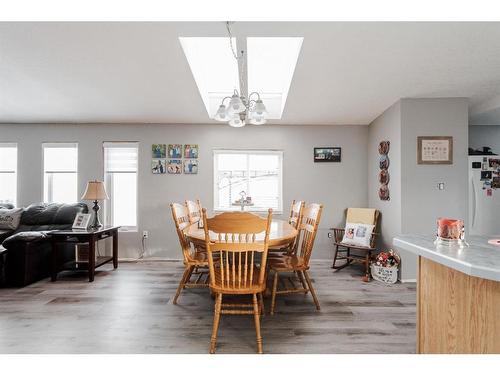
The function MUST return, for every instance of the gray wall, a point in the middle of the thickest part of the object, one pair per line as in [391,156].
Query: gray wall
[387,127]
[485,135]
[336,185]
[416,202]
[422,203]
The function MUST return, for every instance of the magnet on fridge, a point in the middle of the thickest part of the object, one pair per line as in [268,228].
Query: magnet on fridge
[489,192]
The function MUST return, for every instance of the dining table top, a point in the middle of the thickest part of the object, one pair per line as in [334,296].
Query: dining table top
[281,233]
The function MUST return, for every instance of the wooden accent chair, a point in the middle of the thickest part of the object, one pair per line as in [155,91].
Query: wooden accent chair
[232,259]
[368,216]
[294,219]
[298,262]
[195,262]
[194,210]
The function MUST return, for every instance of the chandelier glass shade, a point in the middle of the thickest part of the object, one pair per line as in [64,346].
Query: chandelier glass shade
[241,110]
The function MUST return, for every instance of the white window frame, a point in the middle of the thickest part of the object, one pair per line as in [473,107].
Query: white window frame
[50,187]
[108,182]
[12,145]
[215,195]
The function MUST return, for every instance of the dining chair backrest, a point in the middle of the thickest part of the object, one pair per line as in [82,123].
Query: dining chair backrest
[308,229]
[194,210]
[180,215]
[296,213]
[232,245]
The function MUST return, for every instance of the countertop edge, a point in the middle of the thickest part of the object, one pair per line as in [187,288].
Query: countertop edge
[464,267]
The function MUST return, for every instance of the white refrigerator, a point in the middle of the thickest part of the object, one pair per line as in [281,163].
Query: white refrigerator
[484,195]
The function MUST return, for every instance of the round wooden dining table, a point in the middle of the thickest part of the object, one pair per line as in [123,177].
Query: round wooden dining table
[281,233]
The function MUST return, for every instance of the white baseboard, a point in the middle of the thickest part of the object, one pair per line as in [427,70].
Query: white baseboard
[408,280]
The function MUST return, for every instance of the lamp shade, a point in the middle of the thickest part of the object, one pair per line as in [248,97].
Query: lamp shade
[95,191]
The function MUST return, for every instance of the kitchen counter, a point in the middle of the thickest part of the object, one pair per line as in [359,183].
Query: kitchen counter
[458,295]
[479,259]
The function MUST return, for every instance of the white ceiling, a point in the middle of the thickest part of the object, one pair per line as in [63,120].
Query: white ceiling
[347,73]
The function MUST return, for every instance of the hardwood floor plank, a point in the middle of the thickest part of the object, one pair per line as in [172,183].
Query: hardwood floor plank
[130,311]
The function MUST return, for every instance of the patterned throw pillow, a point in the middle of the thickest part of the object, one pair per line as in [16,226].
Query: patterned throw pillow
[9,219]
[358,234]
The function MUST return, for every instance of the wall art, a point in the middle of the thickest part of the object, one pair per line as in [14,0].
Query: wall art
[327,154]
[435,150]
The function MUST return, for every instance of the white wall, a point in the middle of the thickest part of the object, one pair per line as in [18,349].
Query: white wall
[336,185]
[485,135]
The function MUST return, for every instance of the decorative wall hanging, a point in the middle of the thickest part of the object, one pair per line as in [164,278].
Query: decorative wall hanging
[174,166]
[159,151]
[191,166]
[384,176]
[174,151]
[191,151]
[434,150]
[327,154]
[159,166]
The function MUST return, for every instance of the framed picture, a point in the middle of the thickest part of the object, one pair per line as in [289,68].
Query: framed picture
[159,151]
[190,166]
[81,221]
[159,166]
[435,150]
[175,151]
[191,151]
[174,166]
[327,154]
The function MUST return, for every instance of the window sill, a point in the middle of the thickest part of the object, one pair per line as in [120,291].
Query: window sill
[253,211]
[128,230]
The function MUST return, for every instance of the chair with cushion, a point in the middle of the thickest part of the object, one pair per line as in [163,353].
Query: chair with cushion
[194,211]
[233,254]
[298,262]
[195,262]
[349,247]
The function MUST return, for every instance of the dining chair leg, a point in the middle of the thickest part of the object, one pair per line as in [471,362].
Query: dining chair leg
[261,305]
[256,317]
[213,340]
[302,281]
[313,293]
[184,279]
[273,294]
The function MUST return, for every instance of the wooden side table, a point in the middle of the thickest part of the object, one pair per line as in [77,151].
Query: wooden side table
[90,236]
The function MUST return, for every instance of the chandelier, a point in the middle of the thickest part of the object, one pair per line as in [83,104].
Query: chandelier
[241,109]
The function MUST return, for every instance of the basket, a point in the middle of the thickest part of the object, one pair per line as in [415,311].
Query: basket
[387,275]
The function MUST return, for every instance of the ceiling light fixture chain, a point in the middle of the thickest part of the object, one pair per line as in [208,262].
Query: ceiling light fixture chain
[241,109]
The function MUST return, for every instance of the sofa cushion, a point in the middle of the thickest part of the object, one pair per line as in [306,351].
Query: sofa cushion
[24,237]
[6,205]
[40,214]
[10,218]
[4,233]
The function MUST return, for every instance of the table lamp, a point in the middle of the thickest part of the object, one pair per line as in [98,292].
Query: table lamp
[95,191]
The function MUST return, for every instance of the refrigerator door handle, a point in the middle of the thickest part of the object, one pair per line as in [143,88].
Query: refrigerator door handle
[474,202]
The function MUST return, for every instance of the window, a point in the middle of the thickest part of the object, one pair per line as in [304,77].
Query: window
[8,173]
[257,172]
[60,172]
[120,177]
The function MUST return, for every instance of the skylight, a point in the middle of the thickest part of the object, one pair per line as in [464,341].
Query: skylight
[271,63]
[214,68]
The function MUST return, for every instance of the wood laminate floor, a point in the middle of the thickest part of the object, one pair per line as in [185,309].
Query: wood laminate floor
[129,310]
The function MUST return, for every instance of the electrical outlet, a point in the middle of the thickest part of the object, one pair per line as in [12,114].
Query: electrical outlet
[440,185]
[329,234]
[145,234]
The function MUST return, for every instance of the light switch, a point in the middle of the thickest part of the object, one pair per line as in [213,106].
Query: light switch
[440,185]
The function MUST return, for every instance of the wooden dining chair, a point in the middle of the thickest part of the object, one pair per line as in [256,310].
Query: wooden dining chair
[194,210]
[233,263]
[195,262]
[351,253]
[298,262]
[294,219]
